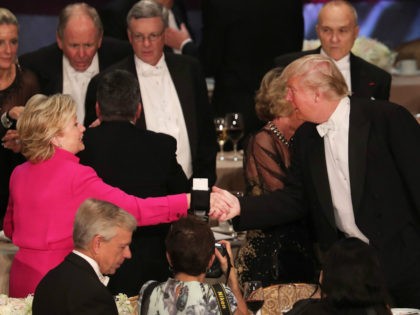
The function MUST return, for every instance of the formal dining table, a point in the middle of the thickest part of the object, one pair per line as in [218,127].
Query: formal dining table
[405,91]
[230,174]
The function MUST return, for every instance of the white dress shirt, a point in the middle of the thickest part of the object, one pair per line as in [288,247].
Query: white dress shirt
[336,140]
[103,279]
[344,66]
[162,109]
[75,83]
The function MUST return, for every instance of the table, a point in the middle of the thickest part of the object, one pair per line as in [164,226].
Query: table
[405,91]
[230,174]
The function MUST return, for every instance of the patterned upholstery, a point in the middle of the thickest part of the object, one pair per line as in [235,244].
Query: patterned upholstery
[283,296]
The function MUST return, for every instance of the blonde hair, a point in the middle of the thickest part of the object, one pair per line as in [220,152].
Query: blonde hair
[43,118]
[318,72]
[7,17]
[270,100]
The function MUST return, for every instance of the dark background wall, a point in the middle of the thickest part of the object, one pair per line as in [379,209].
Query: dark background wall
[390,21]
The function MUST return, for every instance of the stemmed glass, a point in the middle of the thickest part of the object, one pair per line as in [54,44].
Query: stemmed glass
[234,124]
[219,124]
[254,295]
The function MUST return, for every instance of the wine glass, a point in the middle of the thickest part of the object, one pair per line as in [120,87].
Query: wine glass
[234,124]
[219,124]
[254,295]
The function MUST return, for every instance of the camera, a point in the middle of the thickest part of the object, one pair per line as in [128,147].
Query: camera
[215,270]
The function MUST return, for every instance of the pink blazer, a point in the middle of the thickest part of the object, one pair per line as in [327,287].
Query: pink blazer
[44,198]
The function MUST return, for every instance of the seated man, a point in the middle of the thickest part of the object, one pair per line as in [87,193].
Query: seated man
[101,234]
[142,163]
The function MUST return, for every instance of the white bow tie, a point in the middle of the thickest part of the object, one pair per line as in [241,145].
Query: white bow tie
[150,71]
[325,127]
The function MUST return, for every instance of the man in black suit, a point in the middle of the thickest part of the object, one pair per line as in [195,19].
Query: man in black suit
[240,40]
[80,53]
[354,172]
[140,162]
[101,236]
[173,91]
[337,30]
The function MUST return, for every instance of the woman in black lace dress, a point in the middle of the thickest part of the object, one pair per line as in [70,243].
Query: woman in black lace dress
[283,254]
[16,87]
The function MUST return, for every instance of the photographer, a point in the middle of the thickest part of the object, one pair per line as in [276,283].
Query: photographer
[190,250]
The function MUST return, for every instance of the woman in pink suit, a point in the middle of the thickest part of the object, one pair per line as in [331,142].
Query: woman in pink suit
[46,191]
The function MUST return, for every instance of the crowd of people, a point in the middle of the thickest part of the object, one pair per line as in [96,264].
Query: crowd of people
[101,138]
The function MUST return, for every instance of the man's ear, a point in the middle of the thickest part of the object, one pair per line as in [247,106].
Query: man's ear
[96,244]
[97,110]
[59,41]
[138,111]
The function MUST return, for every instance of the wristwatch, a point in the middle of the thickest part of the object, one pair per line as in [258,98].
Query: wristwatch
[6,121]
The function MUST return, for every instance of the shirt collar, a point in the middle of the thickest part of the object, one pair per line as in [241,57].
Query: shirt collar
[103,279]
[148,69]
[336,119]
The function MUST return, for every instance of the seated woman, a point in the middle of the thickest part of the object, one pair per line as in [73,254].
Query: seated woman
[282,254]
[351,282]
[46,191]
[17,85]
[191,251]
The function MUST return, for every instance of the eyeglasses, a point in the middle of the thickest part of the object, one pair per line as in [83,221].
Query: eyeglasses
[152,37]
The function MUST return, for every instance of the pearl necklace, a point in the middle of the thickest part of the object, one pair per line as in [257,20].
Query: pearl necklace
[279,135]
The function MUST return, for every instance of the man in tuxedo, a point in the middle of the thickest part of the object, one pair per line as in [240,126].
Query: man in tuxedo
[354,172]
[240,40]
[337,30]
[173,91]
[101,236]
[80,53]
[140,162]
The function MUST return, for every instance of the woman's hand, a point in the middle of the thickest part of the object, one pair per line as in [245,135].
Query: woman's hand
[15,112]
[11,141]
[223,205]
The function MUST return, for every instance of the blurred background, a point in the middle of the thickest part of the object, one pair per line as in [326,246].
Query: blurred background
[392,22]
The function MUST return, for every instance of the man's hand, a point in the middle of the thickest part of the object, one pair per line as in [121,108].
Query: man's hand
[96,123]
[11,141]
[223,205]
[174,38]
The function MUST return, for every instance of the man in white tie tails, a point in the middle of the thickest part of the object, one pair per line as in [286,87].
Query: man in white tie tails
[173,91]
[354,173]
[80,53]
[101,235]
[337,29]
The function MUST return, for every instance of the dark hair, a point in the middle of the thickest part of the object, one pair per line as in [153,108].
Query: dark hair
[190,245]
[352,275]
[118,95]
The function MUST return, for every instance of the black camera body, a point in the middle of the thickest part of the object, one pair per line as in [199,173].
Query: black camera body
[215,270]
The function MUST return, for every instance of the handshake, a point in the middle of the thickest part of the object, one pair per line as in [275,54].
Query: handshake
[219,204]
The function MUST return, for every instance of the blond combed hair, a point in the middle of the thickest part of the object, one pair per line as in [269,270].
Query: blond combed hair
[270,99]
[43,118]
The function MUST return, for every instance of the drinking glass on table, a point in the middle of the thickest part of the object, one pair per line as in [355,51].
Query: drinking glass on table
[254,295]
[219,124]
[234,124]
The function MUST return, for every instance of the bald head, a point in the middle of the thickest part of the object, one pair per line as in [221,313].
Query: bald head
[337,28]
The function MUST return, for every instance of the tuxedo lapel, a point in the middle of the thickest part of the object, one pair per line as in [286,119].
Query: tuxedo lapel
[358,138]
[318,169]
[361,84]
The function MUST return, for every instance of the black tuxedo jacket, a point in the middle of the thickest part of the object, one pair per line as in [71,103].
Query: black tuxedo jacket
[240,39]
[367,80]
[73,288]
[192,93]
[47,62]
[384,155]
[142,163]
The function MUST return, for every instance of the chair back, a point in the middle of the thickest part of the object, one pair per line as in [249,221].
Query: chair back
[280,298]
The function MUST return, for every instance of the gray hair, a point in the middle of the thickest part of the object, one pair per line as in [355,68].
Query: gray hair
[82,9]
[318,72]
[7,17]
[97,217]
[148,9]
